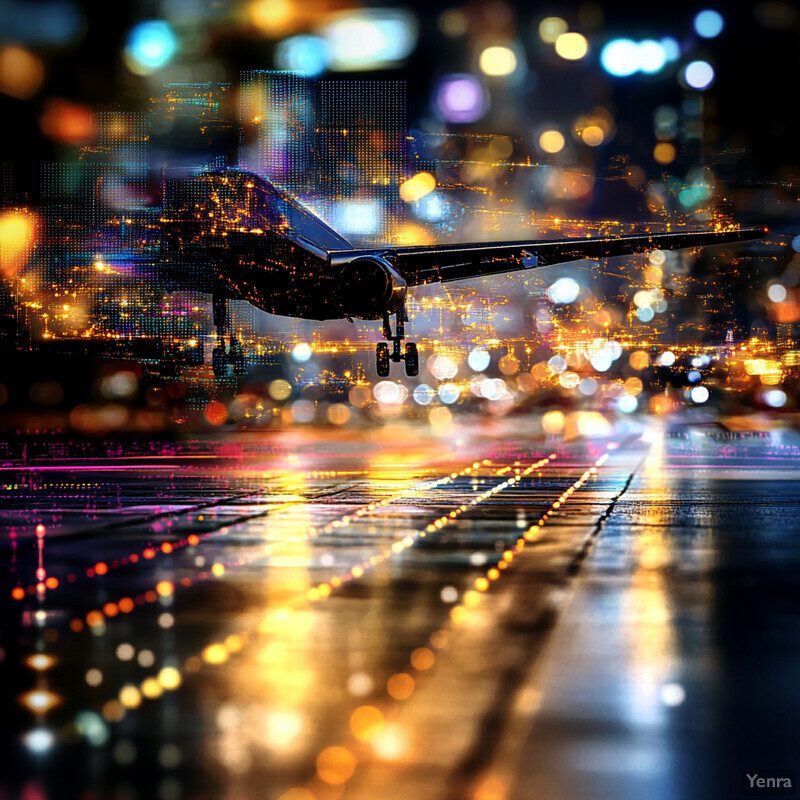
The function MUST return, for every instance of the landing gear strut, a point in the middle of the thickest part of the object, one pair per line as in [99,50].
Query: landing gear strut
[221,359]
[383,357]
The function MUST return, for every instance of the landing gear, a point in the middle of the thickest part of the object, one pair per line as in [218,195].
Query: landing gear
[382,360]
[223,359]
[412,360]
[236,357]
[219,361]
[382,355]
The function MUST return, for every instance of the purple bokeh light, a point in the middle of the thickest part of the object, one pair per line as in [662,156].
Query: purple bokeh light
[461,98]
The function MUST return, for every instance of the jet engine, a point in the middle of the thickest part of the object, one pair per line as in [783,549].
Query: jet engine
[369,287]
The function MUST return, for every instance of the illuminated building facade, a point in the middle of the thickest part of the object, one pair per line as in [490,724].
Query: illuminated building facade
[276,124]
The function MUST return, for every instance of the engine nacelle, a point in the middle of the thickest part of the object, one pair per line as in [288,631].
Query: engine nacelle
[369,287]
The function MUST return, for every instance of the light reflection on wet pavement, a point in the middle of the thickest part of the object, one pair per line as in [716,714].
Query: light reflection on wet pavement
[302,615]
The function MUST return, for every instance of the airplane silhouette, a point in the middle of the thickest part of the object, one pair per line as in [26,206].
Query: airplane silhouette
[232,234]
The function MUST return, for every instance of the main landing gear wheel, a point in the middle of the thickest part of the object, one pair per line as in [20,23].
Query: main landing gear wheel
[382,360]
[222,358]
[383,357]
[219,361]
[236,358]
[412,360]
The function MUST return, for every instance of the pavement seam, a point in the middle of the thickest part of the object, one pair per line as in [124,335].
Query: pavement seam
[519,720]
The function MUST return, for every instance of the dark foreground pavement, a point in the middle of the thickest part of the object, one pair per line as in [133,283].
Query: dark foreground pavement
[308,615]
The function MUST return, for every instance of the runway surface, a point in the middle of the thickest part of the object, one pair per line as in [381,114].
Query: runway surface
[316,614]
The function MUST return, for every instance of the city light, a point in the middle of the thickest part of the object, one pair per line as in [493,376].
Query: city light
[572,46]
[620,58]
[272,17]
[564,290]
[550,28]
[423,394]
[664,152]
[357,216]
[369,38]
[301,353]
[775,398]
[39,740]
[698,75]
[478,360]
[21,72]
[336,335]
[777,292]
[625,57]
[461,98]
[431,207]
[709,24]
[306,55]
[551,141]
[699,394]
[652,56]
[498,61]
[416,187]
[17,236]
[150,46]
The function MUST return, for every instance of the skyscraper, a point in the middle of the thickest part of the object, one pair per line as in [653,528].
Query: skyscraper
[276,121]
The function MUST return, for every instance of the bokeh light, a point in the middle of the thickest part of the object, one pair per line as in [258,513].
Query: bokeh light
[150,46]
[698,75]
[461,98]
[479,359]
[625,57]
[775,398]
[301,352]
[620,58]
[592,135]
[367,38]
[416,187]
[652,57]
[572,46]
[306,55]
[699,394]
[498,61]
[21,72]
[777,292]
[709,23]
[550,28]
[272,17]
[664,152]
[551,141]
[564,290]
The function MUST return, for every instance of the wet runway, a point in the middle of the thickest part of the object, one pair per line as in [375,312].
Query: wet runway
[318,614]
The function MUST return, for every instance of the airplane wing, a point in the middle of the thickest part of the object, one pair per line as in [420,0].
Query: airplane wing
[453,262]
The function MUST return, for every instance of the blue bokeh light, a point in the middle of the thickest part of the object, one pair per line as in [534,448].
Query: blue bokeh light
[709,23]
[461,98]
[645,314]
[625,57]
[564,290]
[652,56]
[432,207]
[620,57]
[672,50]
[307,55]
[698,75]
[479,359]
[150,45]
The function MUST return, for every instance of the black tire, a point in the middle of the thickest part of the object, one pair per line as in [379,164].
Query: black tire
[412,360]
[237,359]
[382,360]
[219,362]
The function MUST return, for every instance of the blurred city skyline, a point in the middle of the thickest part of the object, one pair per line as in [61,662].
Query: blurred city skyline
[416,124]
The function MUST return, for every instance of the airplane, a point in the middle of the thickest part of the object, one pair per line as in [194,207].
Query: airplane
[232,234]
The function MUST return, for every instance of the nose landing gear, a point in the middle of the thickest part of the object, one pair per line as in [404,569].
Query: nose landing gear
[410,355]
[223,359]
